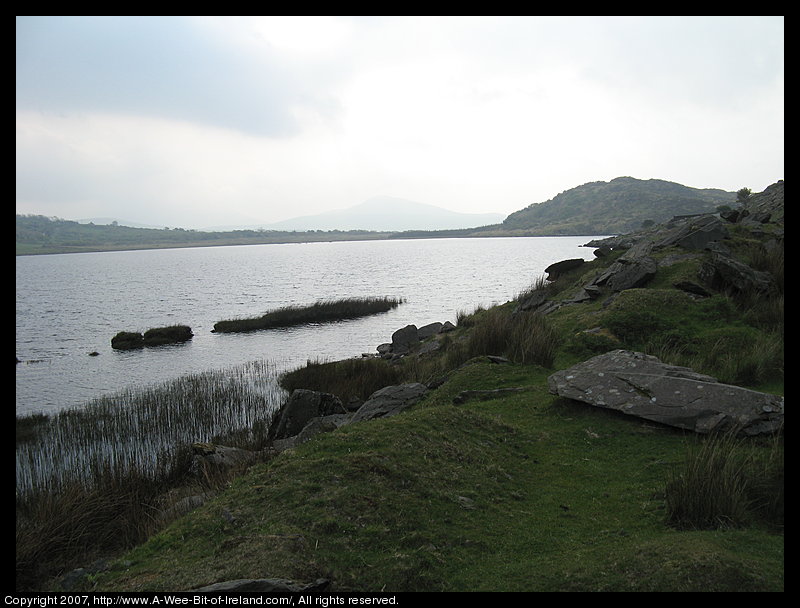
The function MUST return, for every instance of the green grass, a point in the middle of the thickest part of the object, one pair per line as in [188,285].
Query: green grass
[523,493]
[323,311]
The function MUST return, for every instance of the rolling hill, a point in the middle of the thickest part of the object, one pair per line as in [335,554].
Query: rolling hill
[615,207]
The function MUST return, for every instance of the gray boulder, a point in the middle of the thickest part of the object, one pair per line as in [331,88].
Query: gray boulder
[641,385]
[695,233]
[301,407]
[389,401]
[404,339]
[728,273]
[628,274]
[431,329]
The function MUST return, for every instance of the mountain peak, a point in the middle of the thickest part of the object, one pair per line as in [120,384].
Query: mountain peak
[391,214]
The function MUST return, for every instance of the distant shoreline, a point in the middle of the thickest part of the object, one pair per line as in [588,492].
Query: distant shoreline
[24,249]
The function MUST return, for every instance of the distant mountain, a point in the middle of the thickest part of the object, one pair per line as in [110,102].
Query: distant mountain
[386,213]
[615,207]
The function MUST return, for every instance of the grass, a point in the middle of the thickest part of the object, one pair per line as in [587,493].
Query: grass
[323,311]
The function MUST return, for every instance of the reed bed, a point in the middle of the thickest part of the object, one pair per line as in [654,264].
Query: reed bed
[323,311]
[139,430]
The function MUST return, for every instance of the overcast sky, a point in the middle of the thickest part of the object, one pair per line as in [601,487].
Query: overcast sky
[209,121]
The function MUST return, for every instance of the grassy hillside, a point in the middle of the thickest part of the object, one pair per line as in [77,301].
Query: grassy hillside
[615,207]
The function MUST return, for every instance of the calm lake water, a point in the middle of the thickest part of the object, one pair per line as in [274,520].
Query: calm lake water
[73,304]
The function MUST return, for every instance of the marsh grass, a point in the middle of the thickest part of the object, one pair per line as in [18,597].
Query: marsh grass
[90,480]
[323,311]
[349,379]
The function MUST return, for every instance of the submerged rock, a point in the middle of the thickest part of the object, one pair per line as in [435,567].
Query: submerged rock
[641,385]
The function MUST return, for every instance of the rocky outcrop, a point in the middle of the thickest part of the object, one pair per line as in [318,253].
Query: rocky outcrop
[309,413]
[301,408]
[724,272]
[409,338]
[641,385]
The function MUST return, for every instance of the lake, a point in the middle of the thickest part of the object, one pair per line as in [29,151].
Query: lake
[71,305]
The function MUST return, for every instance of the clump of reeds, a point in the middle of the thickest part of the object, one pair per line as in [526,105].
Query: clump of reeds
[323,311]
[726,482]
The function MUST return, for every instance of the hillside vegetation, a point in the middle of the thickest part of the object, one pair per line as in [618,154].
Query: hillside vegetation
[616,207]
[519,490]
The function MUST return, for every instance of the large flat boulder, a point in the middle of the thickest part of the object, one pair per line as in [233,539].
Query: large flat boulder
[641,385]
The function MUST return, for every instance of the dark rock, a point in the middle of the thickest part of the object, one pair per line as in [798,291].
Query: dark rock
[389,401]
[404,339]
[723,272]
[302,406]
[219,457]
[622,275]
[640,385]
[695,233]
[560,268]
[533,301]
[426,331]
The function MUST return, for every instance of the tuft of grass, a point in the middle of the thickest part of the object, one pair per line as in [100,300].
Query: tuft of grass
[727,482]
[524,337]
[323,311]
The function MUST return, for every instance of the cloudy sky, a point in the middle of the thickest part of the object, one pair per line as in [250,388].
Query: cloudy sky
[212,121]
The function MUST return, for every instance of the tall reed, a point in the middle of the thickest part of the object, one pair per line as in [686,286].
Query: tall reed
[140,429]
[91,480]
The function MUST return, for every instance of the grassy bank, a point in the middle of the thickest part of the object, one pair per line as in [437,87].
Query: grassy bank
[323,311]
[523,493]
